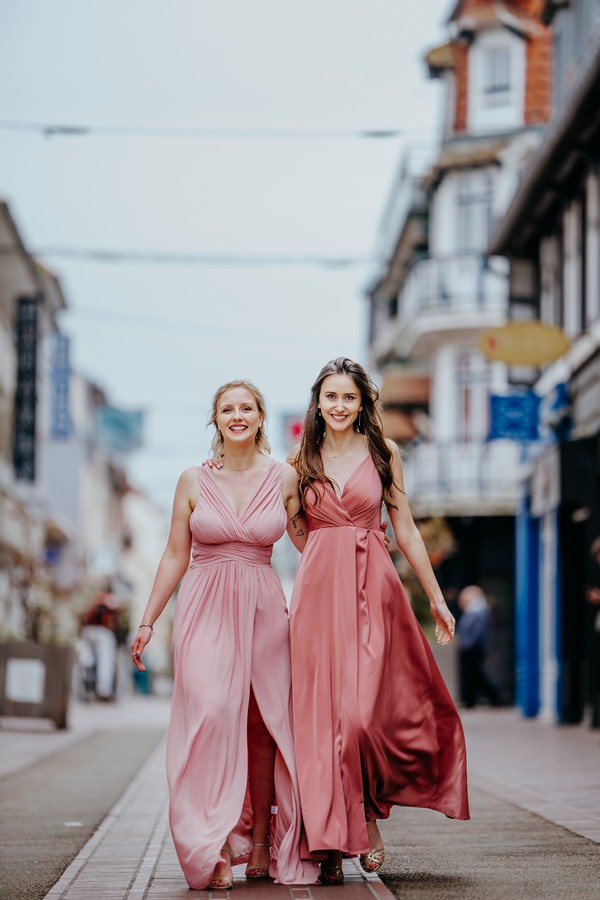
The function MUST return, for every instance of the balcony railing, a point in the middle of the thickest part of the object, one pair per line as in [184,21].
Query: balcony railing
[463,477]
[454,284]
[440,294]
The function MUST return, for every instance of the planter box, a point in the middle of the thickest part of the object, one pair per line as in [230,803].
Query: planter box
[35,680]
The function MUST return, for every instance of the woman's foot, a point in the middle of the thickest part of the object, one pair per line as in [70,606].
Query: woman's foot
[258,861]
[222,879]
[373,860]
[331,868]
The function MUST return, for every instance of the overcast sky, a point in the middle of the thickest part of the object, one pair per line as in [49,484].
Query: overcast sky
[225,144]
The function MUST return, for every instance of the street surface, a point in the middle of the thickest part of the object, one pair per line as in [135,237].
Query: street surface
[84,815]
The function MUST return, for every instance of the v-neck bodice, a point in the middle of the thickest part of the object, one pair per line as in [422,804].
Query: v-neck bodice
[251,535]
[359,503]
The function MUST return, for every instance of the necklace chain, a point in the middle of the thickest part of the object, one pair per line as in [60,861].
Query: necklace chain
[332,456]
[240,468]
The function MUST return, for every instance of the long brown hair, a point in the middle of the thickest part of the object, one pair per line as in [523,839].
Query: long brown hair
[262,444]
[308,461]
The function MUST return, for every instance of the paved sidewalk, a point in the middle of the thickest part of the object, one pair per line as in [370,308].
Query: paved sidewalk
[551,771]
[25,742]
[132,856]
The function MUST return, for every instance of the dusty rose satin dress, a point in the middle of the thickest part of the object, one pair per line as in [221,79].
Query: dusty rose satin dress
[231,634]
[374,723]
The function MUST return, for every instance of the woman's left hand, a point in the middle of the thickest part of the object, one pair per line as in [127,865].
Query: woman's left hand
[213,463]
[444,622]
[386,538]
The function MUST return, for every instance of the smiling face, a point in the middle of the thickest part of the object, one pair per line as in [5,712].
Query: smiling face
[340,402]
[237,416]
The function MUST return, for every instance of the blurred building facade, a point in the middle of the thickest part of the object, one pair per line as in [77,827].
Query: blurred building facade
[439,289]
[66,529]
[551,236]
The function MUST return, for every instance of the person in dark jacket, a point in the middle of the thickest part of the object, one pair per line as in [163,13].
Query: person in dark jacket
[474,634]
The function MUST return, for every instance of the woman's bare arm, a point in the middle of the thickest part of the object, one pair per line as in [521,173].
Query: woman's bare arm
[296,527]
[411,544]
[173,563]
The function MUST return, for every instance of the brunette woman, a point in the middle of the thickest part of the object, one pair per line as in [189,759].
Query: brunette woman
[374,723]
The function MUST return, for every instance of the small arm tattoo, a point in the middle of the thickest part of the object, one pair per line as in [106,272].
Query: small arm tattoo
[299,531]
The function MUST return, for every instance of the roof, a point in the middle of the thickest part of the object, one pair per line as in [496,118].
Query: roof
[490,15]
[465,154]
[440,58]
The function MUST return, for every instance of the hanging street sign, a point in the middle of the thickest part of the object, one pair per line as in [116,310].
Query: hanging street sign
[528,343]
[514,417]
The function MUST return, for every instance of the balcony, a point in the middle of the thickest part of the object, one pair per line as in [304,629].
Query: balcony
[441,298]
[463,478]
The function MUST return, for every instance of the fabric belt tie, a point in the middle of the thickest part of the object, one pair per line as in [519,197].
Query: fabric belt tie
[235,551]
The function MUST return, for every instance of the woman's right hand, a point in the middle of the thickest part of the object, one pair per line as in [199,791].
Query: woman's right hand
[137,648]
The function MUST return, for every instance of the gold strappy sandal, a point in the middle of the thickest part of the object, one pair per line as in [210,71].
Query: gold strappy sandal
[223,884]
[258,871]
[373,860]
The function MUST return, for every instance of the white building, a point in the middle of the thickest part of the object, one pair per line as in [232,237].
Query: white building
[439,290]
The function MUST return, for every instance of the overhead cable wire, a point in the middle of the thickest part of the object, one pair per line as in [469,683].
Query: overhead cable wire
[159,257]
[58,129]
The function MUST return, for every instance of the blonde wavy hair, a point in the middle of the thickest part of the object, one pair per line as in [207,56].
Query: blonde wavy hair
[262,444]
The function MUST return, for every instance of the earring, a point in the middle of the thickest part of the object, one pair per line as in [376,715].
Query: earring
[319,413]
[359,421]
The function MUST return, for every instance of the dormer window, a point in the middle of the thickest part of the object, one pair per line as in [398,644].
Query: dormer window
[496,76]
[496,81]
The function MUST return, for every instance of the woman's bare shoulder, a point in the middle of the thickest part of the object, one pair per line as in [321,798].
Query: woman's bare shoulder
[293,454]
[288,472]
[393,447]
[189,476]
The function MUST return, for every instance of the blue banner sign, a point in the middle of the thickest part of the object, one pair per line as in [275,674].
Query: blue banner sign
[514,417]
[61,426]
[120,431]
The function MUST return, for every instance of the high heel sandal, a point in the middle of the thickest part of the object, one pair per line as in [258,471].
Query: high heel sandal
[331,872]
[258,871]
[373,860]
[223,884]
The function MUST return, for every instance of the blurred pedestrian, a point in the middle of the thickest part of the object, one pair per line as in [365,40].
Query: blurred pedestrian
[100,633]
[230,751]
[474,635]
[592,595]
[374,723]
[593,591]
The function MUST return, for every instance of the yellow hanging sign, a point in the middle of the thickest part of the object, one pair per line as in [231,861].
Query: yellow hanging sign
[528,343]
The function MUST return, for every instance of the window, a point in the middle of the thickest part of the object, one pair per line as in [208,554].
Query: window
[474,380]
[474,205]
[496,76]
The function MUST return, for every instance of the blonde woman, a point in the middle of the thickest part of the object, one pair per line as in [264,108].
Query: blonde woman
[230,757]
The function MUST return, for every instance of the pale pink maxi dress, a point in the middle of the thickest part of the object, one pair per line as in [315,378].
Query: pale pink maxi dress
[374,723]
[230,635]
